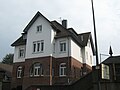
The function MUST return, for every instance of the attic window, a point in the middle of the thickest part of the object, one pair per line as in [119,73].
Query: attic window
[39,28]
[81,37]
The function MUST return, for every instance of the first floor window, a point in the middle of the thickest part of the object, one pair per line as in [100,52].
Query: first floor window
[63,46]
[36,70]
[21,53]
[38,46]
[62,69]
[19,72]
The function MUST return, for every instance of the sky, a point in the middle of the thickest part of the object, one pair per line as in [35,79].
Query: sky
[16,14]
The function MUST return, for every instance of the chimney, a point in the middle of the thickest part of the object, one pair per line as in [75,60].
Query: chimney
[64,23]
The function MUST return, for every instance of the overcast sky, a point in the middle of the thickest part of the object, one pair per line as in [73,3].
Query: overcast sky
[16,14]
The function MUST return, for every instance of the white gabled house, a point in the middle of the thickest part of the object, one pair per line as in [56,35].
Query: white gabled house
[49,53]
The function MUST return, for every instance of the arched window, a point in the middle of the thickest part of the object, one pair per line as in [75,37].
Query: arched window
[19,72]
[62,69]
[36,70]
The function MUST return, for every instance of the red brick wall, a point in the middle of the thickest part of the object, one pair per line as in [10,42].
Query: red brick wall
[40,80]
[15,81]
[73,72]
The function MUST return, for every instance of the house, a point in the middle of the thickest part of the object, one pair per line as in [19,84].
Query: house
[108,74]
[49,53]
[5,76]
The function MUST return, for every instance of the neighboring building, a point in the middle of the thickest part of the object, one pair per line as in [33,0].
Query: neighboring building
[5,76]
[114,66]
[49,53]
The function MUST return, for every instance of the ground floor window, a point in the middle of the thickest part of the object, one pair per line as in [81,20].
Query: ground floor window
[62,69]
[19,72]
[36,70]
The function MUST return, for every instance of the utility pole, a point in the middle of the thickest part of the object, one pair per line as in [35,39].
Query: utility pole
[96,49]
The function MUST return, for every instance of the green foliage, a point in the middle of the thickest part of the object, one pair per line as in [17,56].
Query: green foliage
[8,59]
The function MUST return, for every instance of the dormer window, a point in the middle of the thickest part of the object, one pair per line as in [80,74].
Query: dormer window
[39,28]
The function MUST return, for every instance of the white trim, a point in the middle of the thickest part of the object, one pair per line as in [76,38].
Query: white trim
[62,46]
[38,46]
[21,53]
[62,70]
[19,72]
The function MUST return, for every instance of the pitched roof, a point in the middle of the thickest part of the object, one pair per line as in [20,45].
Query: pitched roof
[19,41]
[112,59]
[33,20]
[61,32]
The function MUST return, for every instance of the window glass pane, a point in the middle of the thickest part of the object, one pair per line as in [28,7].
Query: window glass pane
[34,47]
[42,45]
[64,46]
[61,47]
[38,46]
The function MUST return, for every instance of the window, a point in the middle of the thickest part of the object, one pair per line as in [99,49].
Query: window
[19,72]
[62,71]
[21,53]
[36,70]
[53,47]
[63,46]
[39,28]
[38,46]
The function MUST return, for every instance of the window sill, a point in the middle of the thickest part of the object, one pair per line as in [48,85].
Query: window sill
[37,52]
[36,76]
[18,77]
[21,57]
[61,52]
[62,75]
[38,32]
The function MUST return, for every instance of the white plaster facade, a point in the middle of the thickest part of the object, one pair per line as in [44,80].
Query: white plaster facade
[16,53]
[45,35]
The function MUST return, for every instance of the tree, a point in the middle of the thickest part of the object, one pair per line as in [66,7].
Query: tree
[8,59]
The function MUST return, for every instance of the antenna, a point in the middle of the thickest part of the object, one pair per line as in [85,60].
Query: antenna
[60,19]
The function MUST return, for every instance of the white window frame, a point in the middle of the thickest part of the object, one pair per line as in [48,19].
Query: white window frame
[62,71]
[36,70]
[63,46]
[19,72]
[39,28]
[21,52]
[38,46]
